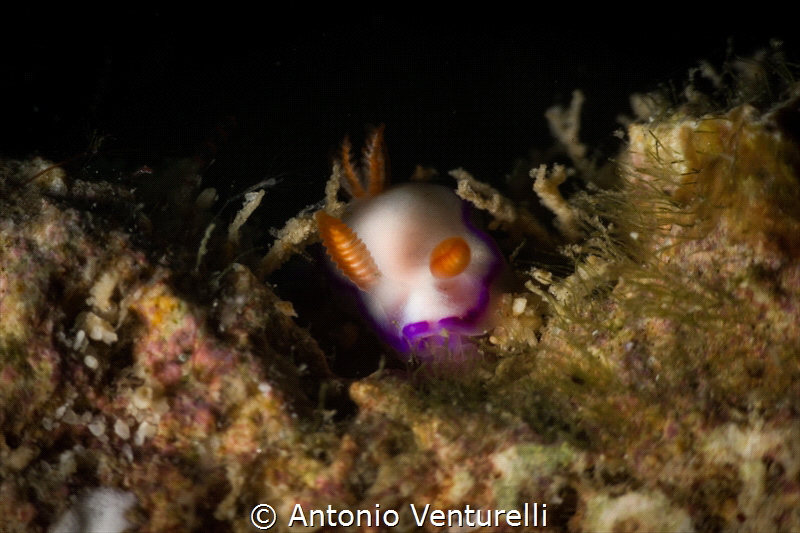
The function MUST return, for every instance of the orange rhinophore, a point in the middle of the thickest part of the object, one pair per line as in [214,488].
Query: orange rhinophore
[450,258]
[347,251]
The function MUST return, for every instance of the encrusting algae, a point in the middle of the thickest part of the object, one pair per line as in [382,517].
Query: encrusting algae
[654,388]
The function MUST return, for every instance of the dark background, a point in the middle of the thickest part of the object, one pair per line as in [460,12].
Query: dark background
[275,96]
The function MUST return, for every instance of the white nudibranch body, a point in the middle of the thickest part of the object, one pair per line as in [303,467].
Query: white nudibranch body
[427,276]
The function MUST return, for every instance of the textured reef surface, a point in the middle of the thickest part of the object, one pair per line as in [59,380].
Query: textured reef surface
[653,385]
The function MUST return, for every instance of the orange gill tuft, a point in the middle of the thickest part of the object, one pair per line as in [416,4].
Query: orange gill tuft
[375,161]
[353,183]
[374,165]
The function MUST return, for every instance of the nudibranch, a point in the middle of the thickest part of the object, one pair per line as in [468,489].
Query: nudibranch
[426,274]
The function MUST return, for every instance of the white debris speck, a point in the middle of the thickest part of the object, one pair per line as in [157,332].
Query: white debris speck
[80,338]
[71,418]
[519,305]
[142,397]
[121,429]
[138,438]
[101,509]
[102,291]
[67,465]
[144,431]
[98,427]
[91,362]
[127,452]
[206,199]
[99,329]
